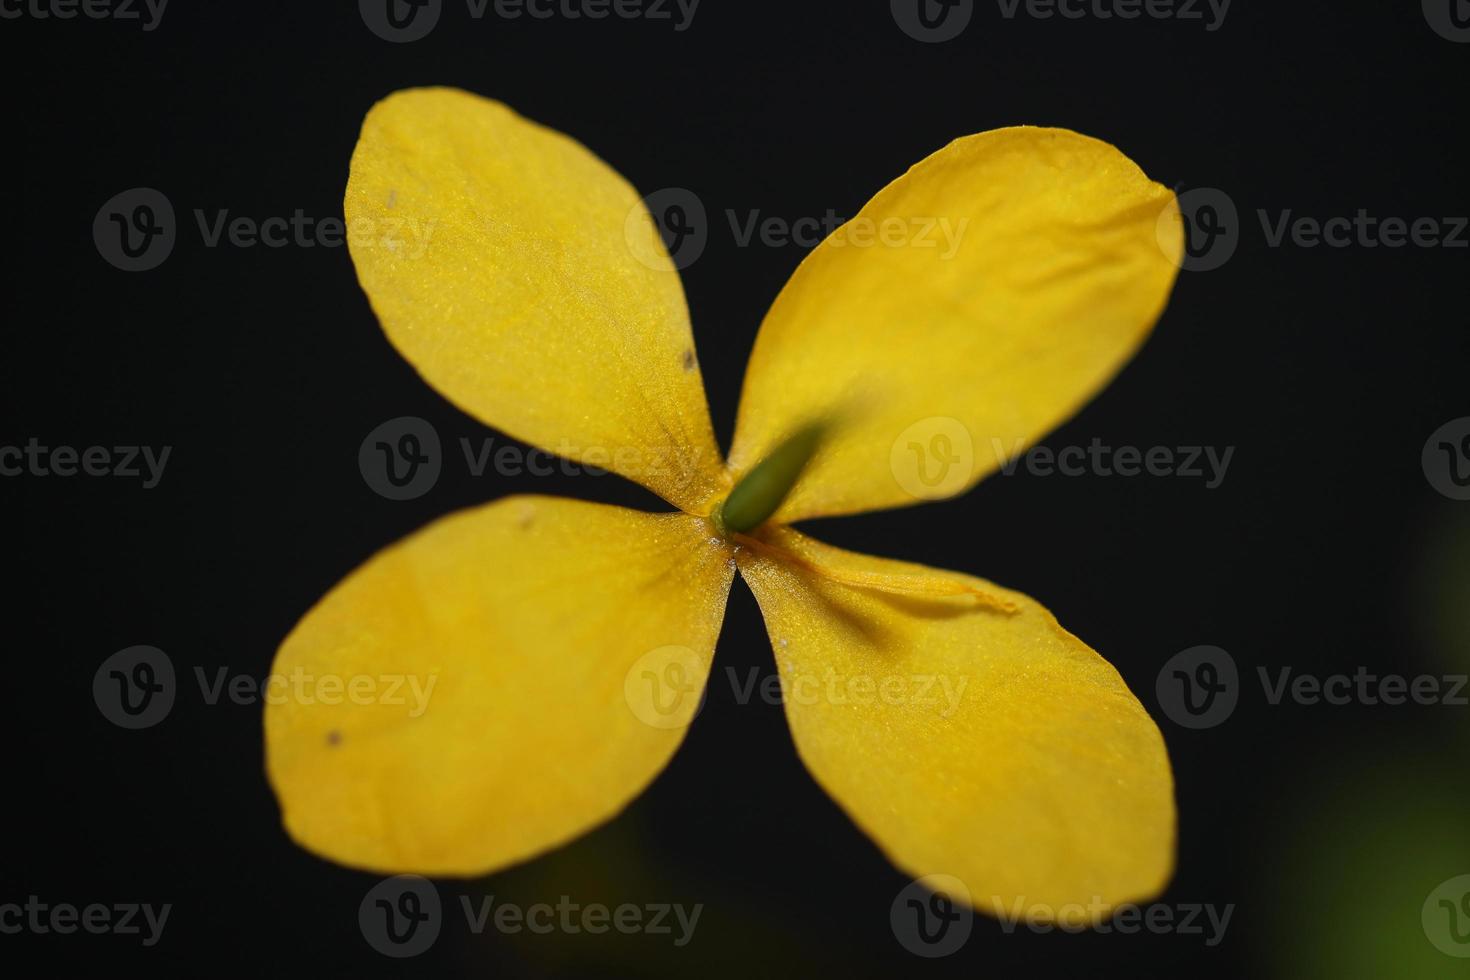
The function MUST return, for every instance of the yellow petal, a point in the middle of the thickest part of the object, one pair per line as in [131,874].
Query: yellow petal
[502,658]
[974,304]
[965,739]
[522,277]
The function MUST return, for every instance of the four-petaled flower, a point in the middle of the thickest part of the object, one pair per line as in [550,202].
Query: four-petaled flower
[552,626]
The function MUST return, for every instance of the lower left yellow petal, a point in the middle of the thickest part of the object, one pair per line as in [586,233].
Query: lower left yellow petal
[494,685]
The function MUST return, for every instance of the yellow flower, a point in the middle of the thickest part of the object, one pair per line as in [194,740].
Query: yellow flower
[1042,782]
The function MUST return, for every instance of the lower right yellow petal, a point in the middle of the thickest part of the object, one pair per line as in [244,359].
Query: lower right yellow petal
[967,733]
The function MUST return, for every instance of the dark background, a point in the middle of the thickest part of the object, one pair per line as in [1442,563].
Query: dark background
[1325,548]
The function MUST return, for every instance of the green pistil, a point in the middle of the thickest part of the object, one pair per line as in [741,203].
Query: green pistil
[756,497]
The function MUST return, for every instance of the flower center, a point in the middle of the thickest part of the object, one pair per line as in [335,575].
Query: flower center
[761,491]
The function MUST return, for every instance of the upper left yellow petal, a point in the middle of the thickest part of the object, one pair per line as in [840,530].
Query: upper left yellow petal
[477,693]
[522,277]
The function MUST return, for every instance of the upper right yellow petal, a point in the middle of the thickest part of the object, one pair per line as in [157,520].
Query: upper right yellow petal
[974,304]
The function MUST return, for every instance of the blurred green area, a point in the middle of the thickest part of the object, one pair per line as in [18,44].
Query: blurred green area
[1439,590]
[1361,878]
[1357,859]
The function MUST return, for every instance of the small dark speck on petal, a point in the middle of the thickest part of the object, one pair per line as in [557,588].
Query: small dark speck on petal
[334,737]
[689,360]
[392,197]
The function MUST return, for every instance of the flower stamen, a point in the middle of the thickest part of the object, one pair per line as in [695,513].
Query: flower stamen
[761,491]
[895,584]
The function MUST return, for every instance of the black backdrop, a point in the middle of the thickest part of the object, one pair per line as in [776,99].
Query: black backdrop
[1325,547]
